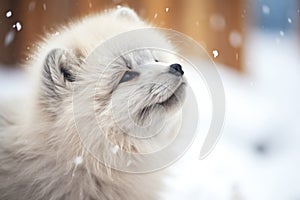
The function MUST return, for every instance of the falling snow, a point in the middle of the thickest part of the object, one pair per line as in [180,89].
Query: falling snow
[217,22]
[78,160]
[155,15]
[31,6]
[167,9]
[18,26]
[10,36]
[44,6]
[215,53]
[235,39]
[235,150]
[266,9]
[8,13]
[281,33]
[290,20]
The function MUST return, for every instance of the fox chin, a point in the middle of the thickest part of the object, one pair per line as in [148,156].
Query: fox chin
[47,150]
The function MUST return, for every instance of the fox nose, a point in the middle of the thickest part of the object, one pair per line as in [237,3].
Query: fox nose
[176,69]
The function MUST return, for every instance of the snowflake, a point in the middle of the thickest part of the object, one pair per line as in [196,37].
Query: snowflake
[9,14]
[18,26]
[266,9]
[281,33]
[215,53]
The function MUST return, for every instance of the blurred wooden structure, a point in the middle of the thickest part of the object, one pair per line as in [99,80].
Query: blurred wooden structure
[217,25]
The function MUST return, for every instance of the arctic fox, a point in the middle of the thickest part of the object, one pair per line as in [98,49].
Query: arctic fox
[51,149]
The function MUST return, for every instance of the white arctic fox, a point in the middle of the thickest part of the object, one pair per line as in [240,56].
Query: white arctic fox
[48,150]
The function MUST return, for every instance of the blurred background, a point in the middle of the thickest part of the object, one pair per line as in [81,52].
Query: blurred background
[256,47]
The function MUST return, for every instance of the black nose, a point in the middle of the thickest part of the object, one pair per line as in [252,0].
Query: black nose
[176,69]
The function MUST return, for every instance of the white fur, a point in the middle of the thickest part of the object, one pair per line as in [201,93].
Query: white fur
[42,155]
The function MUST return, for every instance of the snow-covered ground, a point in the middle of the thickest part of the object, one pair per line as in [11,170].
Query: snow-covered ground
[257,156]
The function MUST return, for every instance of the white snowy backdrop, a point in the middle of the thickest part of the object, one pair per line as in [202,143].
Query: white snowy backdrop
[257,157]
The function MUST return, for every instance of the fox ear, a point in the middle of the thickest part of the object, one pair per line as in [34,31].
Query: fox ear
[59,71]
[127,13]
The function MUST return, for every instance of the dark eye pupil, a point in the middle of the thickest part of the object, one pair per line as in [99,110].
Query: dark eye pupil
[129,75]
[156,60]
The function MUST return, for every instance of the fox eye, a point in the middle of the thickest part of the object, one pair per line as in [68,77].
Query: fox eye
[128,75]
[156,60]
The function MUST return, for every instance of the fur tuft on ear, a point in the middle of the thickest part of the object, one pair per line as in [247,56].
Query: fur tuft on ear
[127,13]
[59,71]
